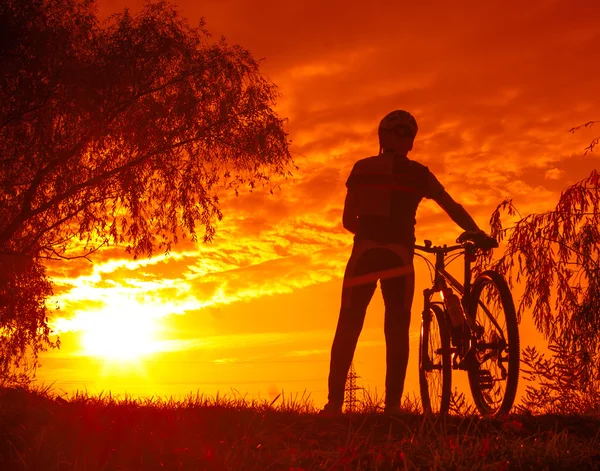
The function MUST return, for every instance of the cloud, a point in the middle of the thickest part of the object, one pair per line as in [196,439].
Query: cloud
[215,275]
[553,174]
[494,89]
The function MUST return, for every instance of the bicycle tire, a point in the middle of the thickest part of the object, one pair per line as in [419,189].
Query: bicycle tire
[435,379]
[505,335]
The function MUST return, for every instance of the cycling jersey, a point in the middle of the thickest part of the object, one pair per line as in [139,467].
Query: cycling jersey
[388,189]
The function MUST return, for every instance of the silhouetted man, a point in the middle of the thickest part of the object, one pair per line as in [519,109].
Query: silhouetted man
[384,192]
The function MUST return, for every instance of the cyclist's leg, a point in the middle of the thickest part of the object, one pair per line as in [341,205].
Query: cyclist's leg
[397,296]
[355,299]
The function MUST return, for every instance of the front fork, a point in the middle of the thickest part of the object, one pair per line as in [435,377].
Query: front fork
[462,354]
[426,316]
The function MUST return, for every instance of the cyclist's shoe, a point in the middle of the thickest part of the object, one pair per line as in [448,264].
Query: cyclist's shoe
[392,410]
[331,410]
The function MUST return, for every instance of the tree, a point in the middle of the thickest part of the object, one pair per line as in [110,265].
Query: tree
[121,133]
[564,383]
[24,288]
[595,141]
[556,255]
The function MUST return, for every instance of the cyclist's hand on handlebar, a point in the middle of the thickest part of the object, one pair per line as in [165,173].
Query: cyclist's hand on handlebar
[479,238]
[470,236]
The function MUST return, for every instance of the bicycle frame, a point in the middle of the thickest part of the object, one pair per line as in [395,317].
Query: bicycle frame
[443,278]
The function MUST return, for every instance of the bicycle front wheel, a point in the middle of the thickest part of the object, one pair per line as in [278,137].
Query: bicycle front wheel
[435,362]
[494,368]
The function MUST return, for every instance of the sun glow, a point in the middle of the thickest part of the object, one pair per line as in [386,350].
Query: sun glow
[123,333]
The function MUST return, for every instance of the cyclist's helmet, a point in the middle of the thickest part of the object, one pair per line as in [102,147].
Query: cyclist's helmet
[400,122]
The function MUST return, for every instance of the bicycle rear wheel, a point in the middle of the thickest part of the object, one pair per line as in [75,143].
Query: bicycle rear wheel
[435,362]
[494,368]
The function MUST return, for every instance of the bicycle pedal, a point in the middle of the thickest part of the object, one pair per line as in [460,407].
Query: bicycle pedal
[486,382]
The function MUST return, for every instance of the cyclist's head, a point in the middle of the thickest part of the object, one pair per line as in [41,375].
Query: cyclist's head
[397,131]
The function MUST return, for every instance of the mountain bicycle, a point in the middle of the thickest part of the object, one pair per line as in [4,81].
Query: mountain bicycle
[473,328]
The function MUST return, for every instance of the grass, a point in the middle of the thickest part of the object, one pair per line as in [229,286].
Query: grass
[39,431]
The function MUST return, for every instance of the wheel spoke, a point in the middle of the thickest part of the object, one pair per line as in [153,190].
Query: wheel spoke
[490,317]
[496,349]
[435,367]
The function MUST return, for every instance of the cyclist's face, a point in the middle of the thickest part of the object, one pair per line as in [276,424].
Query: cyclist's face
[397,141]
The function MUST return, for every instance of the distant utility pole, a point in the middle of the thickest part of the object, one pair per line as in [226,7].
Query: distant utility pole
[351,388]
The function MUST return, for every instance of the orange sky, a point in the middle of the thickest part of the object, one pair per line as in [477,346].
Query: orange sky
[495,86]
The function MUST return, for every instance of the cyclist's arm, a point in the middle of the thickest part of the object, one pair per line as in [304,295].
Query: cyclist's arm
[456,212]
[350,216]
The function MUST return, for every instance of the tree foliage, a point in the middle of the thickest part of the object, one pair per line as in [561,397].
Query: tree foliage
[594,142]
[563,383]
[122,132]
[24,288]
[555,255]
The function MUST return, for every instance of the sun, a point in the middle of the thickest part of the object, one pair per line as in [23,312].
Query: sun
[123,333]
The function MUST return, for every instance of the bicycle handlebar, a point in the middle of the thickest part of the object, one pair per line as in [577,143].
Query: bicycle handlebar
[477,240]
[428,248]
